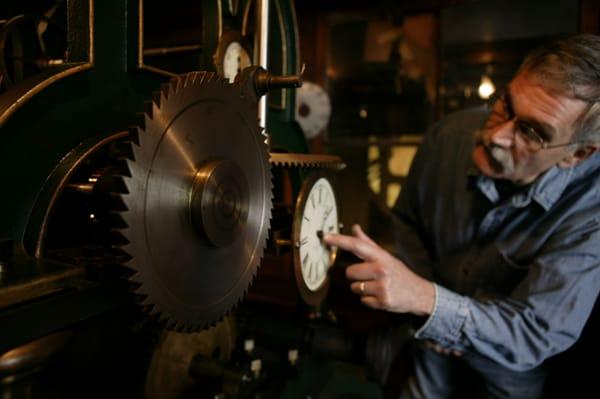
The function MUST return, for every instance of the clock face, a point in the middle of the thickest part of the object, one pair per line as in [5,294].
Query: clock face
[319,216]
[235,59]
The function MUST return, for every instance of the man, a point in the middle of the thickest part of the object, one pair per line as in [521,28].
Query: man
[498,230]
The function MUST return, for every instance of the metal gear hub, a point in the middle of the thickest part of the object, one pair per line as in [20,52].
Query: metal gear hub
[199,198]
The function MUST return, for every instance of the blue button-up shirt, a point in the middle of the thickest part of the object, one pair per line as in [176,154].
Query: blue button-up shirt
[517,277]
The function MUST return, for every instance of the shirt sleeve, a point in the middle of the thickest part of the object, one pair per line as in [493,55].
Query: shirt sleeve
[543,316]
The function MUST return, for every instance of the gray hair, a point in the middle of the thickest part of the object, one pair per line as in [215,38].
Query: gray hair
[571,66]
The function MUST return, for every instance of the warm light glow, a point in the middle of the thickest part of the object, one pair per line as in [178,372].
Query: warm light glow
[486,87]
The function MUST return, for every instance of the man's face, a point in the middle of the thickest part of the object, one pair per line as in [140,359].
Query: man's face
[501,153]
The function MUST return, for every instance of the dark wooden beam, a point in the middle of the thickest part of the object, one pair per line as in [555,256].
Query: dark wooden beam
[589,16]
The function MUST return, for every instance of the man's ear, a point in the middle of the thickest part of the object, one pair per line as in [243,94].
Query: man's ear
[581,154]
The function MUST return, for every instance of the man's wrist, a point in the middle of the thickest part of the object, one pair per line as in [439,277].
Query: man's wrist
[425,298]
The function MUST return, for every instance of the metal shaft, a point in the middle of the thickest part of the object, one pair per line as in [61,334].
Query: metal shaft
[173,49]
[262,53]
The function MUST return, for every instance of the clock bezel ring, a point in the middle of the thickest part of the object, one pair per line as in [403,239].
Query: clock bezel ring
[311,297]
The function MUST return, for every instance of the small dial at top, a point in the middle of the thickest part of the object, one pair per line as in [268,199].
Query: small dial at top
[235,59]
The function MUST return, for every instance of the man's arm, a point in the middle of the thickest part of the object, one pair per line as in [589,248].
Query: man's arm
[543,316]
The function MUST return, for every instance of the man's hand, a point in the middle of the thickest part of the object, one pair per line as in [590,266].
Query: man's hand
[383,281]
[442,350]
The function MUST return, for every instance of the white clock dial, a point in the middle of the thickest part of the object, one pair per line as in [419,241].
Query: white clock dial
[319,216]
[235,59]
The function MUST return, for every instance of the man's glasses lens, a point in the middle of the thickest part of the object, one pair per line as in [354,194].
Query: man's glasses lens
[530,137]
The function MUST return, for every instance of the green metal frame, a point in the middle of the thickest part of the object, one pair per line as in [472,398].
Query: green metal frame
[99,91]
[43,119]
[286,134]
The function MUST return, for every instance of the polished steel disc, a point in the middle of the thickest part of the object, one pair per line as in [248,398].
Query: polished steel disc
[199,201]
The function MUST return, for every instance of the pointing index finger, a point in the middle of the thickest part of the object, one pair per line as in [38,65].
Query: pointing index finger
[349,243]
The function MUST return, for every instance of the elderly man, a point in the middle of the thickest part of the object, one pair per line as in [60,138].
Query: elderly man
[498,231]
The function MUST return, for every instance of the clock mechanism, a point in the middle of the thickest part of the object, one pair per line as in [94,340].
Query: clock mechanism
[183,208]
[315,215]
[313,109]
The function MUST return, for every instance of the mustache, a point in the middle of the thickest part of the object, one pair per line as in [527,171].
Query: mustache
[501,158]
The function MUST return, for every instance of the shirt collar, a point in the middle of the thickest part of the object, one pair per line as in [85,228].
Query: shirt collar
[548,188]
[545,191]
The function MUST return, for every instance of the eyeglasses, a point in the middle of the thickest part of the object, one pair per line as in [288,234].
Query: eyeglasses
[532,140]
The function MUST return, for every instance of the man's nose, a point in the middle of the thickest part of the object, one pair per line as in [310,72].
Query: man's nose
[503,135]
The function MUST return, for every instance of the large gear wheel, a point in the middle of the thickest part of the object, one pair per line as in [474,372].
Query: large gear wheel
[198,201]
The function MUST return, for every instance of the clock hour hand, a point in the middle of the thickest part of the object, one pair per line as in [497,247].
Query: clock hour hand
[327,213]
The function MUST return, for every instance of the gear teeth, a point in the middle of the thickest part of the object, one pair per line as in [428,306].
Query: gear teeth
[124,146]
[155,107]
[170,323]
[306,161]
[127,249]
[185,81]
[134,135]
[189,79]
[148,302]
[176,84]
[120,164]
[147,119]
[204,78]
[140,120]
[168,89]
[148,108]
[128,182]
[136,278]
[179,326]
[118,237]
[122,168]
[115,182]
[161,316]
[115,219]
[153,311]
[188,329]
[118,250]
[164,90]
[156,98]
[192,78]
